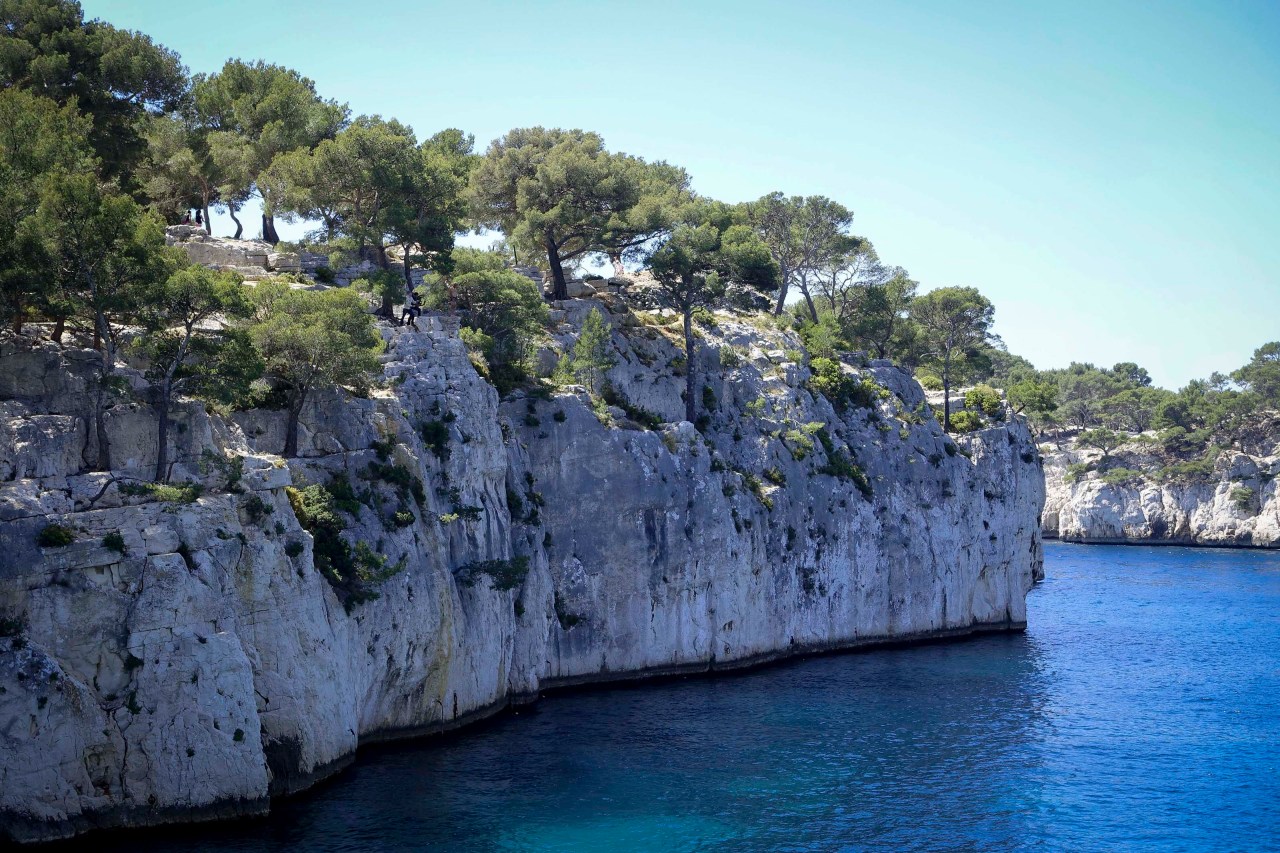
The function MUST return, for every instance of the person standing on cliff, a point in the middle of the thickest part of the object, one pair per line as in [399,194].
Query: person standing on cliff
[412,309]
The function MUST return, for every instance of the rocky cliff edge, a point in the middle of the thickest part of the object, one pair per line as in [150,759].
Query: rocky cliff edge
[182,658]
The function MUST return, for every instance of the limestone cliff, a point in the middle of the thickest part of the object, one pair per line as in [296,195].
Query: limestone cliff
[182,657]
[1234,506]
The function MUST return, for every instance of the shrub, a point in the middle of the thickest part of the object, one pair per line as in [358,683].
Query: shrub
[55,536]
[343,495]
[800,441]
[566,619]
[839,465]
[503,574]
[640,415]
[257,509]
[230,467]
[775,476]
[114,541]
[1076,471]
[730,357]
[709,401]
[1242,497]
[405,481]
[929,381]
[514,502]
[704,316]
[435,435]
[183,493]
[1195,471]
[752,482]
[844,390]
[984,399]
[383,447]
[352,572]
[1121,477]
[966,421]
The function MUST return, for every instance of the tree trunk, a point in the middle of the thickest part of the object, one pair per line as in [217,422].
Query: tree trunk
[615,258]
[166,398]
[385,309]
[99,415]
[291,430]
[208,225]
[269,229]
[162,433]
[559,289]
[946,394]
[100,427]
[688,365]
[813,312]
[231,211]
[18,317]
[782,295]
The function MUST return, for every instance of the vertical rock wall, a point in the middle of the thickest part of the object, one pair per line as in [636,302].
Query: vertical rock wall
[201,664]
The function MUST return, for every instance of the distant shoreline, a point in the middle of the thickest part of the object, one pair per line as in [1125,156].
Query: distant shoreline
[1176,543]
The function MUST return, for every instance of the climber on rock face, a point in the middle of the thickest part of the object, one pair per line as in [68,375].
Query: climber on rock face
[412,310]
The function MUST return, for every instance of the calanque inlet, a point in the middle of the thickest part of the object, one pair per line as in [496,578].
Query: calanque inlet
[182,654]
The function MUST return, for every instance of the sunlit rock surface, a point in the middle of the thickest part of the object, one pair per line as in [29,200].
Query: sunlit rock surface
[199,663]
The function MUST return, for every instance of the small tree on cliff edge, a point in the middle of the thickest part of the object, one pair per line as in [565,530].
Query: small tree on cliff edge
[692,267]
[186,355]
[107,251]
[310,341]
[954,322]
[41,145]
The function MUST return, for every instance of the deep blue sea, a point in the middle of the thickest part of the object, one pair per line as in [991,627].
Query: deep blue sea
[1140,711]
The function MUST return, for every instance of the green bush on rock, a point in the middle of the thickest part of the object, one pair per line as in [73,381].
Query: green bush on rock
[55,536]
[354,573]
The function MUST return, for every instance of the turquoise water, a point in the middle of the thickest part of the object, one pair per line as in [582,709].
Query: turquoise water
[1140,711]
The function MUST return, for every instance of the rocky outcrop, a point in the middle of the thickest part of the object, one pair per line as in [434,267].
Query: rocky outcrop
[255,260]
[183,658]
[1236,506]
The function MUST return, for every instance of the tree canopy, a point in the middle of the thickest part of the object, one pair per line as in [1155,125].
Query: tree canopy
[255,112]
[42,146]
[309,341]
[113,77]
[693,265]
[805,235]
[561,194]
[955,323]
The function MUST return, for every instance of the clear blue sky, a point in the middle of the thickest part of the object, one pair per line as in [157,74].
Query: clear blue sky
[1107,173]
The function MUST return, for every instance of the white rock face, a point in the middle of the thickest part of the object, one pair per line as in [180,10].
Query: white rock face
[1237,507]
[199,664]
